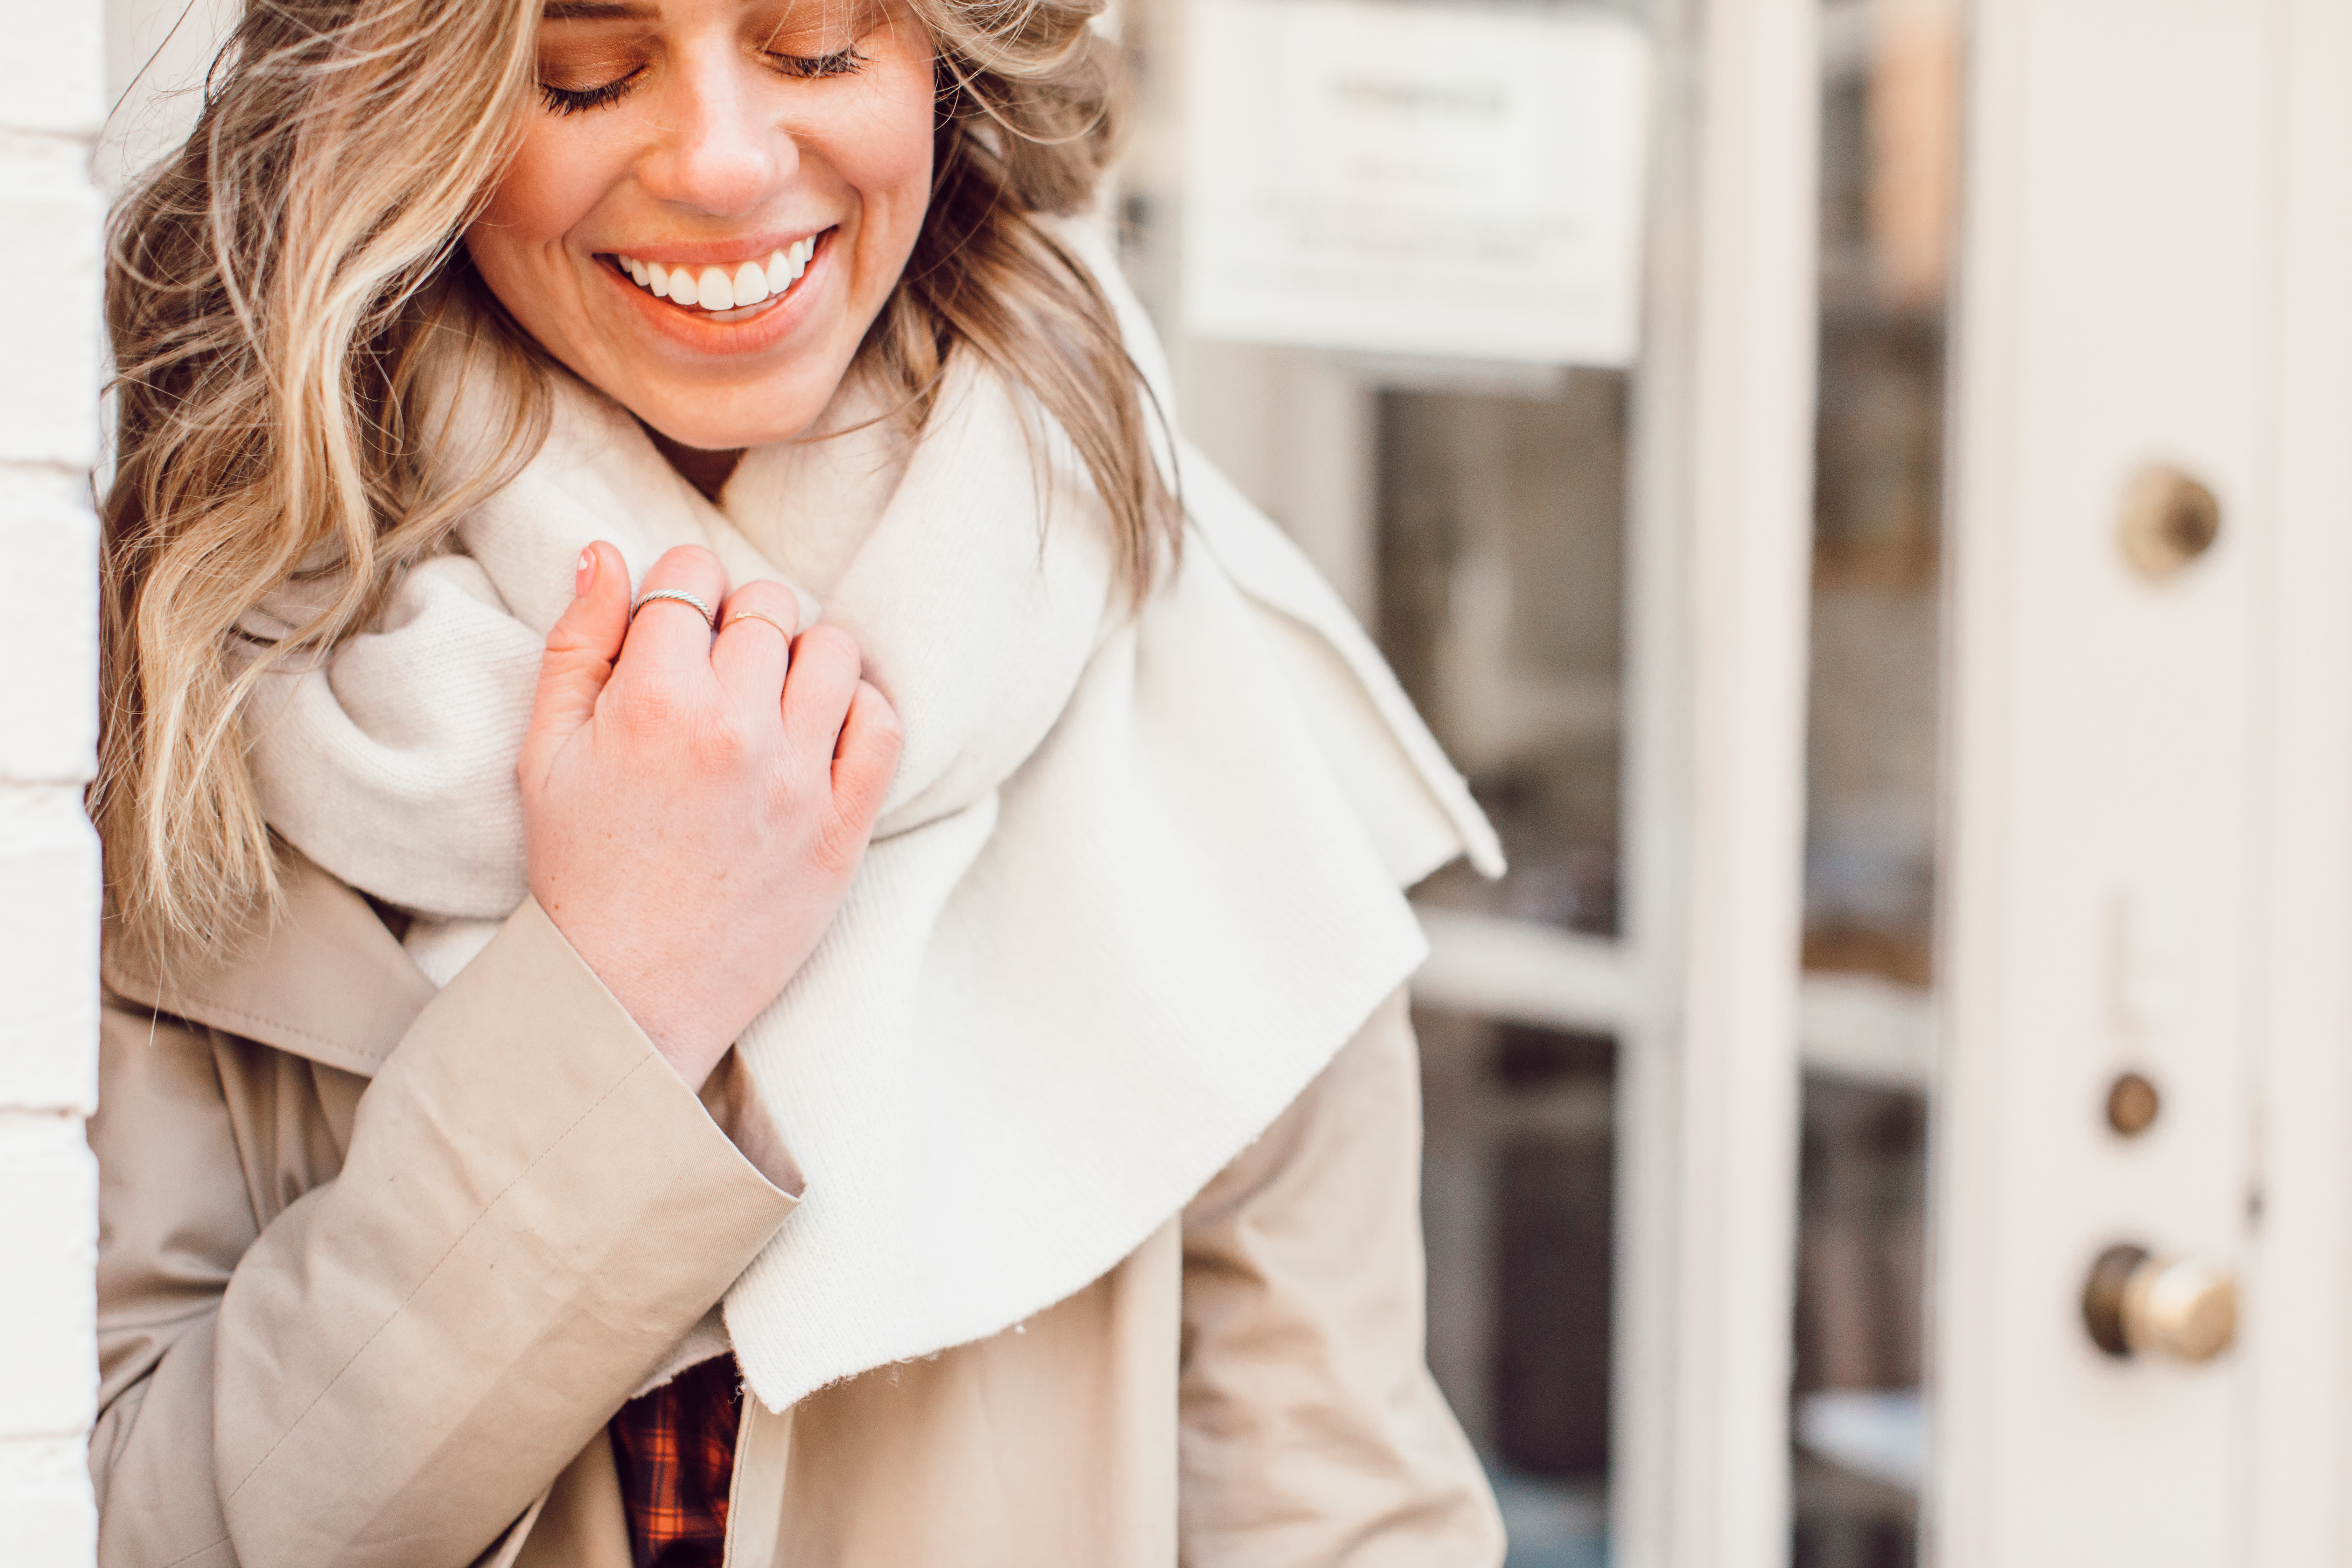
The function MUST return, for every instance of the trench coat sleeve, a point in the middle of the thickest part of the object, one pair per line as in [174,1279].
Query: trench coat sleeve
[532,1209]
[1311,1434]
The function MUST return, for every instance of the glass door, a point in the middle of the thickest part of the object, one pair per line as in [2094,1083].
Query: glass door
[1584,550]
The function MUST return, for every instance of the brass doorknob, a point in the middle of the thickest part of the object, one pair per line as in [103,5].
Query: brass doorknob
[2138,1304]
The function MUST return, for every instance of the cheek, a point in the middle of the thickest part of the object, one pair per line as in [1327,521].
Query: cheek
[552,183]
[887,153]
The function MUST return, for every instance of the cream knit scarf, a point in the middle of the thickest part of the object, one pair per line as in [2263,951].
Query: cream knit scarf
[1136,881]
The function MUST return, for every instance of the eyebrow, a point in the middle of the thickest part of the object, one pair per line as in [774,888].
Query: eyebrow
[598,11]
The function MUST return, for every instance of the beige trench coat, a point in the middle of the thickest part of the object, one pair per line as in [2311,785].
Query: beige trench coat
[377,1264]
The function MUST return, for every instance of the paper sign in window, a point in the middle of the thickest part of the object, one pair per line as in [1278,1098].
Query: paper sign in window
[1397,176]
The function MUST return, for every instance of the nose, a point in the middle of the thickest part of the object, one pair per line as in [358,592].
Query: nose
[720,153]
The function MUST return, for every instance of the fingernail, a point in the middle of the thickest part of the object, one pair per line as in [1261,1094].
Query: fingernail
[585,578]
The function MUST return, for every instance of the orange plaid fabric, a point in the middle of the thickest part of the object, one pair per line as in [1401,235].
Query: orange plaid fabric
[675,1451]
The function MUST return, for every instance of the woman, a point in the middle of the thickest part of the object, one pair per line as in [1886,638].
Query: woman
[603,1064]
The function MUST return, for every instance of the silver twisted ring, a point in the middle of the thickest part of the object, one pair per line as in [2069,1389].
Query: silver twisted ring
[680,594]
[756,616]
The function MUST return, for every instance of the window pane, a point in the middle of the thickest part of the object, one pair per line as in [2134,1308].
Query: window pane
[1888,165]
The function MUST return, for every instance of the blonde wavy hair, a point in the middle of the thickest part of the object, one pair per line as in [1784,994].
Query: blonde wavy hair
[281,290]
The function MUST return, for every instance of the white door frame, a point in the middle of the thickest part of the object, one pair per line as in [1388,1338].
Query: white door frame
[2299,1282]
[1720,551]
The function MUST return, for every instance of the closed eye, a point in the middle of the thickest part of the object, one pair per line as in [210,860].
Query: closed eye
[573,99]
[809,67]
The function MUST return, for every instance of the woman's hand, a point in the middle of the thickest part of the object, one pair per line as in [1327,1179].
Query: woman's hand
[693,809]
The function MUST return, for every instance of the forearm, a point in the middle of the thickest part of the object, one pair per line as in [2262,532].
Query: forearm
[1312,1431]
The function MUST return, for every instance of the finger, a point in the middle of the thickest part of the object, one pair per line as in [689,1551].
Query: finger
[865,757]
[581,649]
[818,688]
[756,627]
[668,637]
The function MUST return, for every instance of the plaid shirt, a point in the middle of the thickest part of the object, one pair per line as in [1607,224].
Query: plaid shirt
[675,1451]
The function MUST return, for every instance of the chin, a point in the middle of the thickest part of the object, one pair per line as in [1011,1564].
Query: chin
[712,421]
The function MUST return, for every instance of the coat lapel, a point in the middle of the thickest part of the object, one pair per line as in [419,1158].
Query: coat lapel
[325,980]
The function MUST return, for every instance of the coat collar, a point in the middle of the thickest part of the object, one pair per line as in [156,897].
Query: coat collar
[326,979]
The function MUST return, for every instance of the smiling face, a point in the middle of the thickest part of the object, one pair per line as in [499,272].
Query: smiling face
[713,202]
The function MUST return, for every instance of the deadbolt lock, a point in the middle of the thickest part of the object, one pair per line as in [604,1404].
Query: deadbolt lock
[2132,1104]
[2136,1304]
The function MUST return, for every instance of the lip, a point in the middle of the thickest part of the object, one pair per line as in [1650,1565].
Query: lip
[720,252]
[695,331]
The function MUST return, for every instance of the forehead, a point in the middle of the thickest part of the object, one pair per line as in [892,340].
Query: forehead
[592,17]
[648,11]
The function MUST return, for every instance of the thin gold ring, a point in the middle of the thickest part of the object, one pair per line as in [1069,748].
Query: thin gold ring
[756,616]
[681,596]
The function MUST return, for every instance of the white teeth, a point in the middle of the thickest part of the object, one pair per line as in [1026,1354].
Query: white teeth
[719,288]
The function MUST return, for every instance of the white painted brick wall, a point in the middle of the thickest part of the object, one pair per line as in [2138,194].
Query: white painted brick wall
[52,57]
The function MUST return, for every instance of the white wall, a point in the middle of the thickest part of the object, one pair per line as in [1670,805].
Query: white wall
[157,53]
[52,58]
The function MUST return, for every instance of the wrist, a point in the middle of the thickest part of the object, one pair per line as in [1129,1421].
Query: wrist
[678,1030]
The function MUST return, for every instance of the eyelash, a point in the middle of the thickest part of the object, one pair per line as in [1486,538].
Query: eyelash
[800,67]
[571,101]
[809,67]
